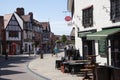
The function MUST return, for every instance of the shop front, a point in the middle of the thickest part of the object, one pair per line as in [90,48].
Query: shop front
[13,47]
[88,46]
[108,45]
[108,49]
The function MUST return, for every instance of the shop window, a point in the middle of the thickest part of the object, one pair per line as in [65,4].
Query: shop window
[102,48]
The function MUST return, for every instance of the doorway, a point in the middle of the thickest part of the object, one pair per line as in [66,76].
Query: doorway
[88,48]
[115,53]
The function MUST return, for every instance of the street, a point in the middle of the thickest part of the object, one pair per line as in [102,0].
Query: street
[25,67]
[15,68]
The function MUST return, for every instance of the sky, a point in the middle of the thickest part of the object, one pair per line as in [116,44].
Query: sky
[53,11]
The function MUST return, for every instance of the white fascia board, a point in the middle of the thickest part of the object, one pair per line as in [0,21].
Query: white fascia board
[20,21]
[98,35]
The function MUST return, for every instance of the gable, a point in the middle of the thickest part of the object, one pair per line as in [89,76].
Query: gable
[7,17]
[13,24]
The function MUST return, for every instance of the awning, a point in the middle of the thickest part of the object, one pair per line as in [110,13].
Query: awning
[83,34]
[102,34]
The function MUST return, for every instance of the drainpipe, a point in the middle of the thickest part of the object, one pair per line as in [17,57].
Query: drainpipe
[109,52]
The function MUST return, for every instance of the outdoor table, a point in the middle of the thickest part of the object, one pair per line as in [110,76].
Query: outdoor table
[66,66]
[76,66]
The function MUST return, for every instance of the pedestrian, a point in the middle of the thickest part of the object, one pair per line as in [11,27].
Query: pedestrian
[29,51]
[53,53]
[41,51]
[56,51]
[65,51]
[35,51]
[6,54]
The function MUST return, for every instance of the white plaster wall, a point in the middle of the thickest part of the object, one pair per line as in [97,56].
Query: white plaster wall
[101,19]
[100,16]
[78,42]
[19,20]
[24,34]
[28,43]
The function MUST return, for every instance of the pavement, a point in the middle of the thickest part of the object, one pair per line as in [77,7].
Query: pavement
[45,68]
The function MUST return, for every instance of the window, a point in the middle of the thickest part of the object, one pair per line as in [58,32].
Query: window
[102,48]
[13,33]
[87,17]
[115,10]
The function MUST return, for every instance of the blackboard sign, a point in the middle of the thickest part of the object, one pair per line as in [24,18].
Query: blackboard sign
[102,47]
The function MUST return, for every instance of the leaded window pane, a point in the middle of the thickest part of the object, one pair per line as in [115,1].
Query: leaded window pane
[87,19]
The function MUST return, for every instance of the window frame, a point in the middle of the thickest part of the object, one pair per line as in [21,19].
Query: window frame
[115,10]
[87,16]
[14,34]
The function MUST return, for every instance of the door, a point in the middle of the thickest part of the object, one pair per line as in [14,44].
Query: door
[13,48]
[115,53]
[88,48]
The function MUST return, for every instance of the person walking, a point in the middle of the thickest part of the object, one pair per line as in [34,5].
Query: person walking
[29,50]
[52,51]
[56,51]
[35,51]
[65,51]
[6,54]
[41,51]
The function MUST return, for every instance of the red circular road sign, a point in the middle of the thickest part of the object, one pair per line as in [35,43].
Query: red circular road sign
[68,18]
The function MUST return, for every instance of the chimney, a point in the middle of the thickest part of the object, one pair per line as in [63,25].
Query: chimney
[20,11]
[31,15]
[1,22]
[1,27]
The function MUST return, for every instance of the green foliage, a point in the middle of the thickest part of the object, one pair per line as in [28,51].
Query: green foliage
[64,38]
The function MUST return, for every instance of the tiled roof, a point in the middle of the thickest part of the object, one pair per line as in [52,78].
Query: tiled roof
[7,18]
[26,18]
[36,22]
[45,25]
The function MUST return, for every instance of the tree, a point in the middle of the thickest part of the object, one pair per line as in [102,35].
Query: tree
[64,38]
[58,41]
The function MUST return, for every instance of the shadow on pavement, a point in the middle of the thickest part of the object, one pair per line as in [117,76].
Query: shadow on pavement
[14,60]
[4,79]
[6,66]
[9,72]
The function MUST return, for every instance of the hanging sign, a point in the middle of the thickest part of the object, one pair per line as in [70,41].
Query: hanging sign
[68,18]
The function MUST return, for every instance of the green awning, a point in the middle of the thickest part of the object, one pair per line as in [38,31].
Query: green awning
[83,34]
[102,34]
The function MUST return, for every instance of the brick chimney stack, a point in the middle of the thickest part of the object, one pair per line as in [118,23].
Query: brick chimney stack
[1,27]
[20,11]
[31,15]
[2,22]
